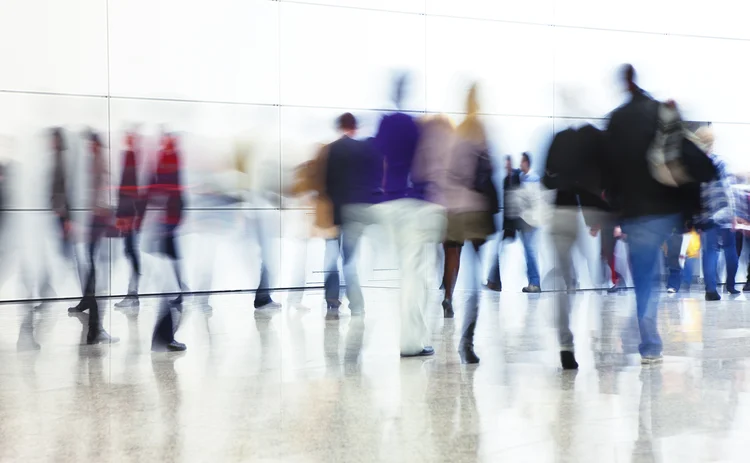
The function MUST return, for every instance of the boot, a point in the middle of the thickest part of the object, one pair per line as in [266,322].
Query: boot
[466,345]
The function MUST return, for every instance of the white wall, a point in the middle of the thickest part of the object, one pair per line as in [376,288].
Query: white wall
[278,72]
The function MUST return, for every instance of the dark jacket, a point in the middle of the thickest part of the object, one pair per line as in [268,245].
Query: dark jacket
[631,131]
[353,174]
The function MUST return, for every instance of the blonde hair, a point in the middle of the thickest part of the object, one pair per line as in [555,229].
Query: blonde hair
[471,127]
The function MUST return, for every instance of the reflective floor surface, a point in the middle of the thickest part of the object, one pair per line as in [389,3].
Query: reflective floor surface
[288,386]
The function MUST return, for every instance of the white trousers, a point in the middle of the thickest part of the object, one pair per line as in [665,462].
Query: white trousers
[415,227]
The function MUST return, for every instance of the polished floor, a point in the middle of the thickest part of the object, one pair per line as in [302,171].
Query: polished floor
[291,387]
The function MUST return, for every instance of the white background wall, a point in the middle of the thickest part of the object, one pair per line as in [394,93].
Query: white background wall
[278,72]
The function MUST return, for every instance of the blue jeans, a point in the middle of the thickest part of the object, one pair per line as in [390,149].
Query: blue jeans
[332,282]
[712,240]
[645,237]
[528,238]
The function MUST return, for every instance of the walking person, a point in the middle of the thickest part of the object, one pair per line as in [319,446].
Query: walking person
[466,191]
[412,223]
[352,176]
[651,210]
[128,218]
[101,216]
[510,221]
[716,222]
[529,222]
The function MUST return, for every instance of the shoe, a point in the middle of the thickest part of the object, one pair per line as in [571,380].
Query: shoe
[492,286]
[176,301]
[651,359]
[175,346]
[332,314]
[269,306]
[130,301]
[613,289]
[426,352]
[447,309]
[299,307]
[568,360]
[357,313]
[101,337]
[746,288]
[467,354]
[81,307]
[732,290]
[532,289]
[712,296]
[671,291]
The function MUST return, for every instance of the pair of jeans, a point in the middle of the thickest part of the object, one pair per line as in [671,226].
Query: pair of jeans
[332,280]
[714,239]
[356,218]
[415,227]
[528,238]
[645,237]
[674,270]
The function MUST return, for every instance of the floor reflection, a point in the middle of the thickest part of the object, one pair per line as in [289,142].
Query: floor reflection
[288,385]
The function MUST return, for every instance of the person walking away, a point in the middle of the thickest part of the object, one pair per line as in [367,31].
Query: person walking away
[716,222]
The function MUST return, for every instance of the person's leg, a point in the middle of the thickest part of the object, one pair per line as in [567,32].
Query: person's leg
[263,293]
[688,271]
[645,236]
[163,336]
[415,225]
[356,218]
[710,245]
[132,253]
[564,236]
[494,281]
[528,237]
[471,312]
[450,274]
[729,242]
[331,282]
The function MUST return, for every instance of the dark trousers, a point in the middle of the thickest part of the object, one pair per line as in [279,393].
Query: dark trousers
[131,253]
[96,232]
[164,328]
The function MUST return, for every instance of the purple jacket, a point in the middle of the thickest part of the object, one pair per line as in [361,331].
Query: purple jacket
[396,141]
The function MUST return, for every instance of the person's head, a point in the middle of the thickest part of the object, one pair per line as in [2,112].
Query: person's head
[628,77]
[525,163]
[347,124]
[58,142]
[508,164]
[399,89]
[706,136]
[95,143]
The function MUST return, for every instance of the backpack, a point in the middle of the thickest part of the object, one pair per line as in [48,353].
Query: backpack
[484,181]
[676,156]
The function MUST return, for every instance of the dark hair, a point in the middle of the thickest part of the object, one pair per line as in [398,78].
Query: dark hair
[508,158]
[346,121]
[526,157]
[628,73]
[57,135]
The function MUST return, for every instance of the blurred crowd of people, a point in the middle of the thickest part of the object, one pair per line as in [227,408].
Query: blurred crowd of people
[431,184]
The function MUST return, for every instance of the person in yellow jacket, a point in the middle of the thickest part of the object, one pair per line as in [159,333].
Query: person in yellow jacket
[692,258]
